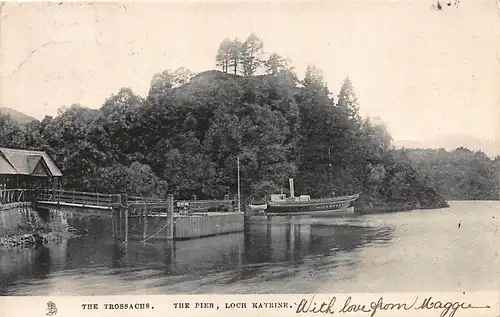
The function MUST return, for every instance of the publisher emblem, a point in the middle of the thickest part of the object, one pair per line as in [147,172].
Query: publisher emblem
[51,309]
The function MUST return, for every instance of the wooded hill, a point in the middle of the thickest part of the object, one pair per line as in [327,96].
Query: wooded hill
[184,139]
[185,136]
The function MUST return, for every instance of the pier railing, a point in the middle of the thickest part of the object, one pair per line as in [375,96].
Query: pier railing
[79,198]
[139,199]
[203,217]
[88,199]
[137,202]
[16,195]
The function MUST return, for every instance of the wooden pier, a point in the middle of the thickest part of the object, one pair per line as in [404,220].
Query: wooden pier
[154,220]
[140,218]
[195,226]
[39,180]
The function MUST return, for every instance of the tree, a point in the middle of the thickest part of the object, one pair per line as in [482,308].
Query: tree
[458,174]
[75,136]
[348,102]
[136,179]
[120,121]
[251,53]
[277,63]
[223,57]
[11,134]
[235,55]
[163,83]
[313,78]
[322,137]
[375,141]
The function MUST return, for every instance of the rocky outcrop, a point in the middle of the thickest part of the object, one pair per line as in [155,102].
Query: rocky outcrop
[23,226]
[33,240]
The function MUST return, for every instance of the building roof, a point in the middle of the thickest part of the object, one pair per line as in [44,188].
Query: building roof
[5,167]
[24,162]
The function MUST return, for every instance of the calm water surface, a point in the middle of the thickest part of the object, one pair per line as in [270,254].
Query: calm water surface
[453,249]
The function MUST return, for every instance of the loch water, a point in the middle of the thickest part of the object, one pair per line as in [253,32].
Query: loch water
[452,249]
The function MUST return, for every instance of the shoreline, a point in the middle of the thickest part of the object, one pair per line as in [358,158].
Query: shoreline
[33,240]
[392,209]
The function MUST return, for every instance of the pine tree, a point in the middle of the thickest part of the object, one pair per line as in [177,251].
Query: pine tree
[348,102]
[223,56]
[251,53]
[276,63]
[235,55]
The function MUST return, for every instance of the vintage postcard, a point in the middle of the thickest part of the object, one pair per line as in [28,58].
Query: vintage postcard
[258,158]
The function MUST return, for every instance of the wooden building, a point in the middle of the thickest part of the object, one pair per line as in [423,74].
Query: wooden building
[28,170]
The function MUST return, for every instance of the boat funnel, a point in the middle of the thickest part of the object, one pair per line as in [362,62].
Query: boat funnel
[292,191]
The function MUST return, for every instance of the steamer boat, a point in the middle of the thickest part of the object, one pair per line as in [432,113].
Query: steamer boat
[304,205]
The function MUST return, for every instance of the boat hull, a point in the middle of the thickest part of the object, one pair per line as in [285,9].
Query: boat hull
[334,206]
[316,213]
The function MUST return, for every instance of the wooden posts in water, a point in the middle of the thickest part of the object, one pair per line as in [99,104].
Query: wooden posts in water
[113,223]
[165,224]
[119,213]
[145,225]
[239,190]
[124,207]
[246,223]
[144,222]
[169,230]
[170,217]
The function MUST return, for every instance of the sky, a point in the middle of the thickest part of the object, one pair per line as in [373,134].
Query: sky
[425,73]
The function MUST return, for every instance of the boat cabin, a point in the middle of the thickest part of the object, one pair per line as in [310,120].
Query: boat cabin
[304,198]
[282,198]
[278,197]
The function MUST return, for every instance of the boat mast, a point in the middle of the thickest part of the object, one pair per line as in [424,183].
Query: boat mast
[239,192]
[330,173]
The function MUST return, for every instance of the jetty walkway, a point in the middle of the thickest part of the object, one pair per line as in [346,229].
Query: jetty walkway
[142,218]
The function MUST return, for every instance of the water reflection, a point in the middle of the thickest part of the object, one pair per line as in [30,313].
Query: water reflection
[94,225]
[25,264]
[270,250]
[394,252]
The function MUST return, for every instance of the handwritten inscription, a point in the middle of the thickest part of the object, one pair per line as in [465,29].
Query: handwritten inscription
[312,306]
[448,308]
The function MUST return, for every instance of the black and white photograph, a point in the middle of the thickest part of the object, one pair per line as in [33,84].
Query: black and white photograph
[258,147]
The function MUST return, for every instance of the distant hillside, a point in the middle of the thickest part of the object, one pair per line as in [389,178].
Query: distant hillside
[451,142]
[458,174]
[16,115]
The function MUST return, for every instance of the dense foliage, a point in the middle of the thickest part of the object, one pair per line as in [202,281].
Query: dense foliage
[458,174]
[185,136]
